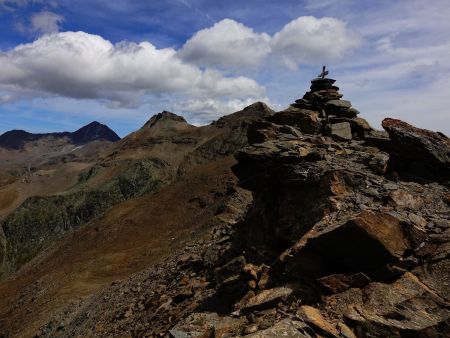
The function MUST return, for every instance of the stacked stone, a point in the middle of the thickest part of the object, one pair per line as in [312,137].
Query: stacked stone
[339,117]
[324,97]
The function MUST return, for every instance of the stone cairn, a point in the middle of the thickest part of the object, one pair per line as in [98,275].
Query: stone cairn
[338,117]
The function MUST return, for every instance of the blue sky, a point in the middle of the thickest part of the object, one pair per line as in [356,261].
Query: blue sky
[66,63]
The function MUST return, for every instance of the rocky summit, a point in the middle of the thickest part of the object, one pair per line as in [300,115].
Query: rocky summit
[301,223]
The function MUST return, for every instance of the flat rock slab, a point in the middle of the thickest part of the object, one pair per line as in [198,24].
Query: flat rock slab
[266,298]
[339,103]
[313,317]
[407,306]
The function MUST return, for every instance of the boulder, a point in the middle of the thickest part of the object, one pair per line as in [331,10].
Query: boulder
[419,152]
[418,144]
[262,131]
[360,127]
[365,243]
[307,121]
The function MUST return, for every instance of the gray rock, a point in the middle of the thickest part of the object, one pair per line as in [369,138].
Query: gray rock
[378,163]
[340,131]
[179,334]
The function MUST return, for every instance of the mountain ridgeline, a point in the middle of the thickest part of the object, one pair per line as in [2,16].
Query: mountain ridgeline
[301,223]
[94,131]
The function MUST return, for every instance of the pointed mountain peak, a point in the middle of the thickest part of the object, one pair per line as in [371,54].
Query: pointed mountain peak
[92,132]
[94,124]
[164,116]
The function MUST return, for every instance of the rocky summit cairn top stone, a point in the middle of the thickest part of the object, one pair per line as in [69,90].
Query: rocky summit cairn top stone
[332,115]
[324,97]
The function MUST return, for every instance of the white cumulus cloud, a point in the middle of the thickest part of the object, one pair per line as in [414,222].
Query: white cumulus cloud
[227,44]
[81,65]
[306,40]
[311,40]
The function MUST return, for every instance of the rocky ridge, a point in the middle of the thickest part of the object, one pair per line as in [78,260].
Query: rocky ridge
[332,229]
[169,146]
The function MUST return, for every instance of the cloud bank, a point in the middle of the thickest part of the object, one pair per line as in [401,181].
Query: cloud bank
[81,65]
[86,66]
[305,40]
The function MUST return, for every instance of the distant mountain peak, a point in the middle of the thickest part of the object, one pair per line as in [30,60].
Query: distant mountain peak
[94,123]
[92,132]
[164,116]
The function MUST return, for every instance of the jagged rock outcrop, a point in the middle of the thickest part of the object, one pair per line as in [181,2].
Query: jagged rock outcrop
[417,151]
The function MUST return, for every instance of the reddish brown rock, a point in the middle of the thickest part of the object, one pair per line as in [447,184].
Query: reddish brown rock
[307,121]
[266,298]
[340,282]
[313,317]
[364,243]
